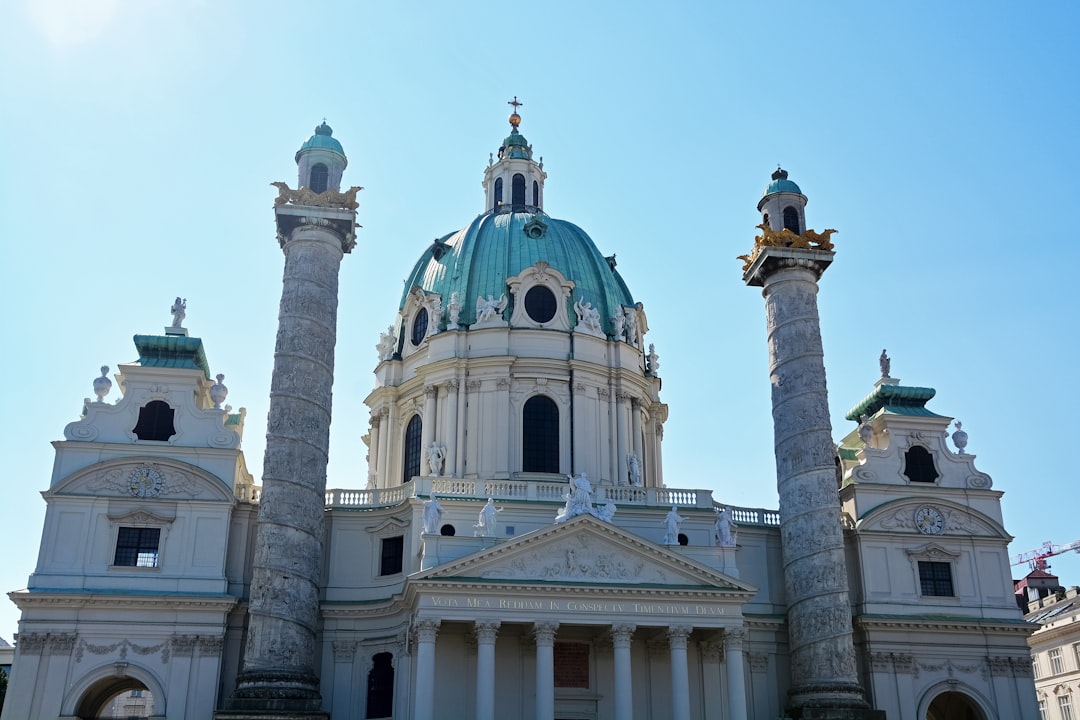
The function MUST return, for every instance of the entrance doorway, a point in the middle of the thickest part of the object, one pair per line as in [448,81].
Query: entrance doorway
[116,698]
[954,706]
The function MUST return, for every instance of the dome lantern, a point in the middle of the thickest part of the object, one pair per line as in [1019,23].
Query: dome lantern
[514,182]
[783,204]
[321,161]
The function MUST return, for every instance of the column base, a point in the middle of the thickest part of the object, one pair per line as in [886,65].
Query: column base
[825,713]
[281,695]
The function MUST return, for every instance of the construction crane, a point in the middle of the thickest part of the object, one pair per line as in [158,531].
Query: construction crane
[1036,559]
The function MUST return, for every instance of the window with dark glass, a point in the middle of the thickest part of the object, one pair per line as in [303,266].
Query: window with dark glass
[412,449]
[155,421]
[419,326]
[919,465]
[517,198]
[498,193]
[137,547]
[380,686]
[391,552]
[448,530]
[540,435]
[791,219]
[320,178]
[540,303]
[536,194]
[936,578]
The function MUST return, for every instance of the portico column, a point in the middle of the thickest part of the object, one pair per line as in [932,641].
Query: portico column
[427,430]
[486,631]
[544,633]
[426,630]
[624,684]
[451,427]
[736,679]
[680,676]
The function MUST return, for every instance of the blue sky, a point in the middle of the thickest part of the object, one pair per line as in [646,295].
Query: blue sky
[140,138]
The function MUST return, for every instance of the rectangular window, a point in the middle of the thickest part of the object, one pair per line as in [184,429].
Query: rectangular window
[936,578]
[1065,706]
[392,553]
[137,547]
[1057,664]
[1035,665]
[1042,710]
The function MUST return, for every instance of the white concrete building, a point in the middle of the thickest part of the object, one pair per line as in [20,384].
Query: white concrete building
[517,551]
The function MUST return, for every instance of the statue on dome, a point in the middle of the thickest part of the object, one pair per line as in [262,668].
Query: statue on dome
[619,321]
[725,529]
[387,341]
[672,521]
[432,515]
[436,453]
[455,310]
[485,527]
[631,327]
[886,364]
[579,501]
[179,312]
[588,317]
[489,308]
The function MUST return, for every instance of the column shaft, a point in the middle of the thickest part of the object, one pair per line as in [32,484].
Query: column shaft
[736,673]
[624,682]
[427,429]
[680,674]
[450,439]
[486,632]
[426,631]
[545,669]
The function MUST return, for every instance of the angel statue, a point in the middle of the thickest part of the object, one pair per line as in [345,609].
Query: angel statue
[489,308]
[179,312]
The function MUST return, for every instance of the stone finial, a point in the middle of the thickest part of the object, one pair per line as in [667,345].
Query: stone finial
[652,361]
[102,385]
[886,364]
[179,312]
[959,438]
[218,392]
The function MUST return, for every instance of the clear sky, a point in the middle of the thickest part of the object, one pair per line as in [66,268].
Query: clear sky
[139,140]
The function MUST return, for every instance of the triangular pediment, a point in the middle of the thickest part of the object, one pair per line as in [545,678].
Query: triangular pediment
[584,550]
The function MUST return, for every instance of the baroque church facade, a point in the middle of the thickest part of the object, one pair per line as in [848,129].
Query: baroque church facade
[517,551]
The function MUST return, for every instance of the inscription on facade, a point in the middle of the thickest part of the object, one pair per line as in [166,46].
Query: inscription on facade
[574,606]
[571,665]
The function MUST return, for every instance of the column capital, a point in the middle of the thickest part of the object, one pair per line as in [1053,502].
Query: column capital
[431,391]
[344,650]
[712,651]
[486,631]
[426,629]
[544,633]
[622,634]
[453,385]
[677,635]
[734,638]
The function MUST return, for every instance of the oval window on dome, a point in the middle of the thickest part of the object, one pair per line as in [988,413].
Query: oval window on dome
[540,304]
[419,326]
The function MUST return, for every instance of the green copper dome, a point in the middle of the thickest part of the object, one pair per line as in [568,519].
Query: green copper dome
[322,139]
[781,184]
[515,146]
[478,260]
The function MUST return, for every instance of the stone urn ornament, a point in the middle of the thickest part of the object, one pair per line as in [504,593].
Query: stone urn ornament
[959,438]
[102,385]
[218,391]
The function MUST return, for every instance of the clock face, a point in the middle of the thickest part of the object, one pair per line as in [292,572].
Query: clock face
[145,482]
[929,520]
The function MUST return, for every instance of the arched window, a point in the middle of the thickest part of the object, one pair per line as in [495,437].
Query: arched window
[412,448]
[919,465]
[791,219]
[536,194]
[380,686]
[498,194]
[320,177]
[540,435]
[155,421]
[517,198]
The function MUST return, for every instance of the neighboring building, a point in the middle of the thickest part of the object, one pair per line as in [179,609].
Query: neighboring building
[1055,646]
[518,550]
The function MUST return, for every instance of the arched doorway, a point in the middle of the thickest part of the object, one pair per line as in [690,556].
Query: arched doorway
[116,697]
[954,706]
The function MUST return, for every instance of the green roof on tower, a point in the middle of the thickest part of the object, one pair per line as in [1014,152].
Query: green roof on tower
[781,184]
[322,139]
